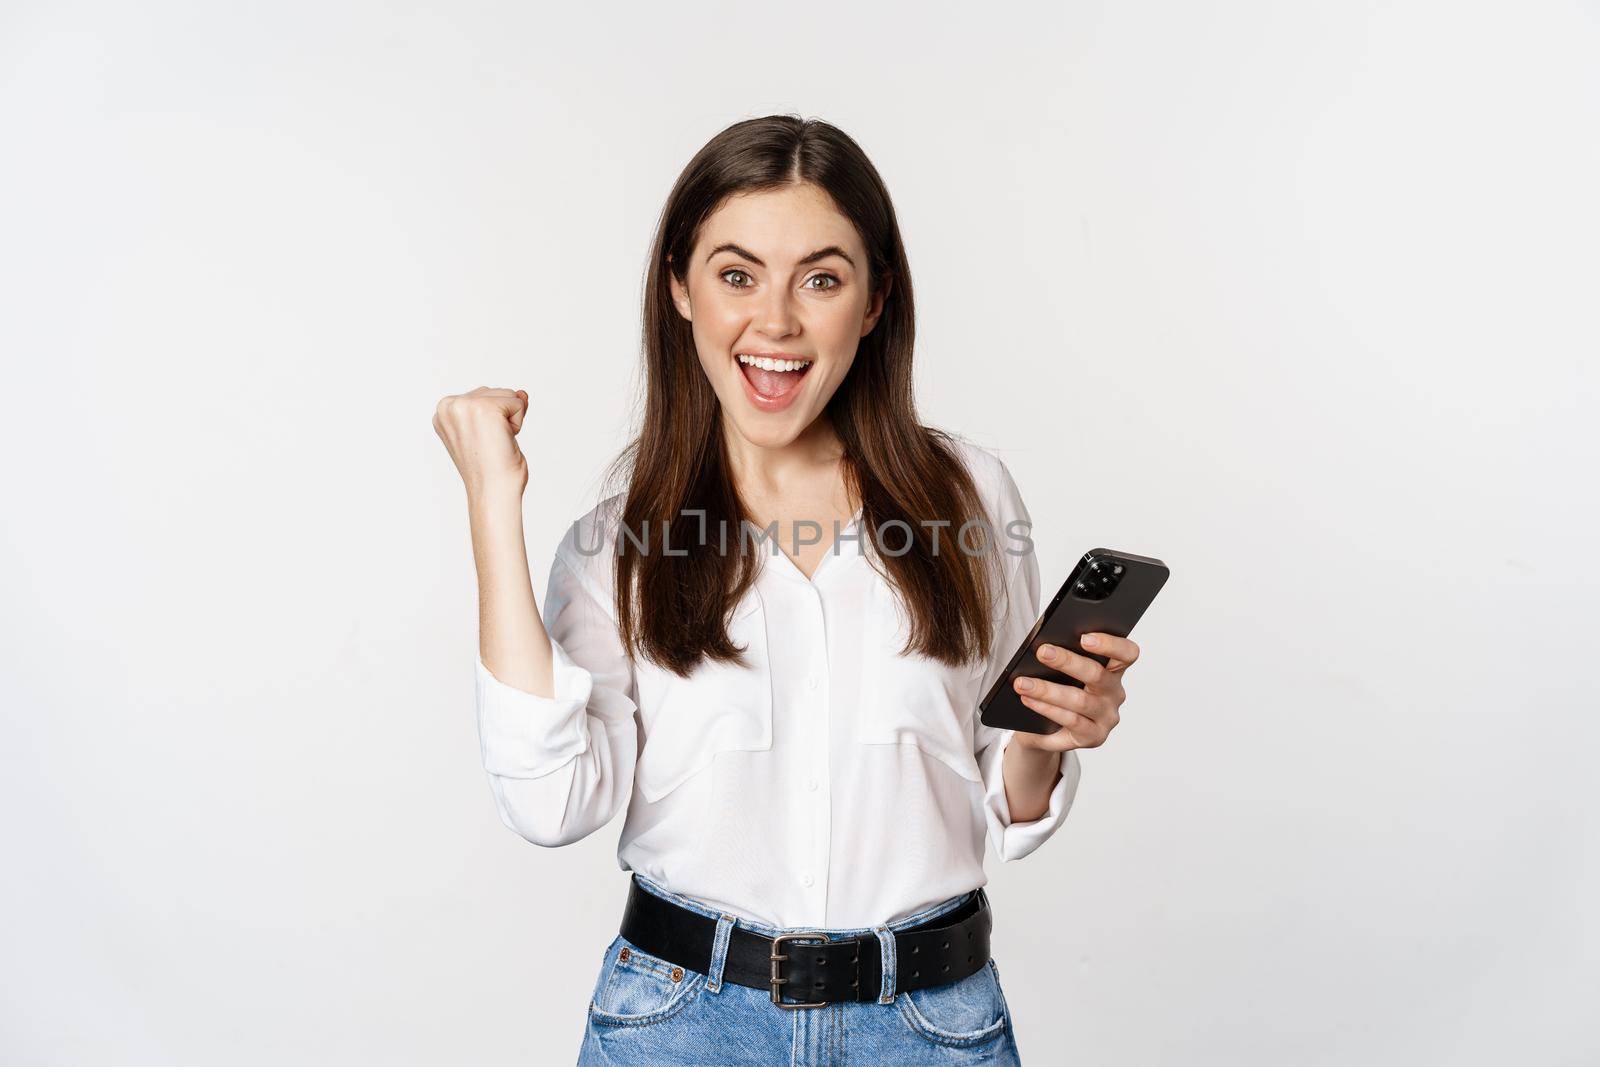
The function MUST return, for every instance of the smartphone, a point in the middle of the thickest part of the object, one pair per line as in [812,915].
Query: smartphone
[1106,593]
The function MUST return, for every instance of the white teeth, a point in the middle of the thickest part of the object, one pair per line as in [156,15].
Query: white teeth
[774,364]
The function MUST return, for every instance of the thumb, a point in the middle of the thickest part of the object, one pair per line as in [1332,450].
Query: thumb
[522,410]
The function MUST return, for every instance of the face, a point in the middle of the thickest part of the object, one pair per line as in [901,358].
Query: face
[777,296]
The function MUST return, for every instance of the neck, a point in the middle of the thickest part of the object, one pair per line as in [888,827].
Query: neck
[769,471]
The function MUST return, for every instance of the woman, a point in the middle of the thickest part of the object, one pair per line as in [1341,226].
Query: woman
[788,717]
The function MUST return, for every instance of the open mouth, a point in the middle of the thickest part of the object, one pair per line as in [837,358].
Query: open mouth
[772,379]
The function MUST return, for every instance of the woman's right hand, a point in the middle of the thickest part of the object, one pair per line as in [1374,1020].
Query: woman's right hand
[480,430]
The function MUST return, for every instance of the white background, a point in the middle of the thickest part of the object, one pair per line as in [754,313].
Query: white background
[1299,297]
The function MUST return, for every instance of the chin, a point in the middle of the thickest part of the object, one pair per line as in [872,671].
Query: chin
[768,431]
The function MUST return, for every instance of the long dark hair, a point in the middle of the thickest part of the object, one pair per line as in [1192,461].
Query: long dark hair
[674,608]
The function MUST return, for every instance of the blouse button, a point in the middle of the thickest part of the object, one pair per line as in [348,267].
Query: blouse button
[811,784]
[811,681]
[805,879]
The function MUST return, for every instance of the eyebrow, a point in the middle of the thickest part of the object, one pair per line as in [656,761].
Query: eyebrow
[821,253]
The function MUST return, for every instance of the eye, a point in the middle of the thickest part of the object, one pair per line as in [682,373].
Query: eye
[734,270]
[815,277]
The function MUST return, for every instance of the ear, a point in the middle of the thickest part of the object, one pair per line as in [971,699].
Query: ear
[875,305]
[680,292]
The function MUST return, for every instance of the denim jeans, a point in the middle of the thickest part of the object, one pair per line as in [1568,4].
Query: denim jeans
[646,1010]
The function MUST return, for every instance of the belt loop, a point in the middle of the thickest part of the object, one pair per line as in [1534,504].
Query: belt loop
[719,953]
[886,944]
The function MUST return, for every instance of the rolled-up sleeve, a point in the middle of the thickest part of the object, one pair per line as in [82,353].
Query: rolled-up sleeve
[1018,609]
[561,767]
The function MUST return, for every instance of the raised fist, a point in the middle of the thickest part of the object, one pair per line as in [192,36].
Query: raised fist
[480,429]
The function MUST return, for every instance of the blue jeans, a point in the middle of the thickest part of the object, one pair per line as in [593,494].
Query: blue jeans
[646,1010]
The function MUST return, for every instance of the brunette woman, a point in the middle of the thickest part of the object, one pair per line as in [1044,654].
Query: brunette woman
[768,646]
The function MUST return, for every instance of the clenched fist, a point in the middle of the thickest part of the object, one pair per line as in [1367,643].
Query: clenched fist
[480,429]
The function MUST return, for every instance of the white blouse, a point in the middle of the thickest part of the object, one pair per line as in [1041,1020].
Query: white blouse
[833,783]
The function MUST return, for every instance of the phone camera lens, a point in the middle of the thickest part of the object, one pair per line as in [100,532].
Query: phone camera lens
[1099,578]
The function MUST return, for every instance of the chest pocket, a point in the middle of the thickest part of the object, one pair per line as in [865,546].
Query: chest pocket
[719,707]
[915,699]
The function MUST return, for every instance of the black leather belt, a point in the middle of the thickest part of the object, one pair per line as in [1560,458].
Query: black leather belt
[817,970]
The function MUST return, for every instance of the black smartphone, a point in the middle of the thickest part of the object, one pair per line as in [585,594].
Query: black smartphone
[1106,593]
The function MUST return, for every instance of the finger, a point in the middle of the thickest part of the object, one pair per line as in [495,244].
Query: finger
[506,402]
[1068,662]
[1058,741]
[1086,705]
[456,407]
[521,413]
[1060,694]
[1119,649]
[1075,732]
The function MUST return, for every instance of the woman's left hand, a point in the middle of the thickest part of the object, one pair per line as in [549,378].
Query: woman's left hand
[1088,715]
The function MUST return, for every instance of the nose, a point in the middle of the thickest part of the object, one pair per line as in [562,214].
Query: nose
[776,316]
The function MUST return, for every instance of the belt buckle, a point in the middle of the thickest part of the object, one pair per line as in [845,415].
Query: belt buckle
[777,964]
